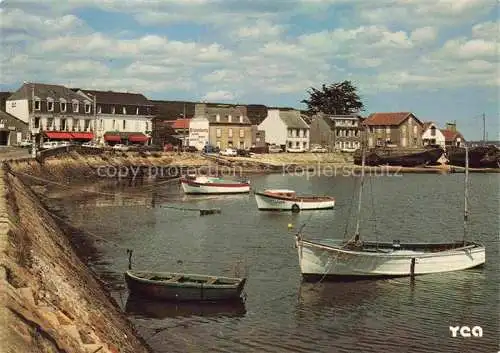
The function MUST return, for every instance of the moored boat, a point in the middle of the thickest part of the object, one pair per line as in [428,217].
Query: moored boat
[288,200]
[404,157]
[479,156]
[183,287]
[355,258]
[213,185]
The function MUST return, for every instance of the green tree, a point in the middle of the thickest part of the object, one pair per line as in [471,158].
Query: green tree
[338,99]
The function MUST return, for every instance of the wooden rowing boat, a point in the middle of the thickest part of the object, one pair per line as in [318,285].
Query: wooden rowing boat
[184,287]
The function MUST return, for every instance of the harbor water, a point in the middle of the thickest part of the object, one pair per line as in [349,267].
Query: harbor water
[281,313]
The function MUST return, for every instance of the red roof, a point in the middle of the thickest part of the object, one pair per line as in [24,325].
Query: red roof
[387,118]
[427,125]
[180,123]
[450,135]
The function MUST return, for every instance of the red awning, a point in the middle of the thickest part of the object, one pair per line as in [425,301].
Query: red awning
[58,135]
[138,138]
[83,135]
[112,138]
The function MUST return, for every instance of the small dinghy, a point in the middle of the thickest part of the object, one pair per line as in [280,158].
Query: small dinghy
[213,185]
[183,287]
[288,200]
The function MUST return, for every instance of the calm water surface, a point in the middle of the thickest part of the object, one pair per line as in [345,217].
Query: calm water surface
[282,314]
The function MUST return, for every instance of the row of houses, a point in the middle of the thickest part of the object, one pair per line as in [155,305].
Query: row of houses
[56,112]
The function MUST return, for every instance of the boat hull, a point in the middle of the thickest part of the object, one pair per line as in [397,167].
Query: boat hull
[192,187]
[185,291]
[403,158]
[270,203]
[318,260]
[479,157]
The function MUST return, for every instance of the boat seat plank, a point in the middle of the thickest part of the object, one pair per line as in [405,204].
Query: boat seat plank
[174,279]
[212,280]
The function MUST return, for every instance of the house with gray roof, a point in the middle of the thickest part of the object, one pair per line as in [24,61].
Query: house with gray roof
[286,128]
[336,132]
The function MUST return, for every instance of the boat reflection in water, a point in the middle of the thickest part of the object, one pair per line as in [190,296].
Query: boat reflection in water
[156,309]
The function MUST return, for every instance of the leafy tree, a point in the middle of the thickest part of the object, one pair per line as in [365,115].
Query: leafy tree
[338,99]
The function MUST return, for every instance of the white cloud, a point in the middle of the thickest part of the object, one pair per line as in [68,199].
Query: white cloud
[424,34]
[487,30]
[260,30]
[216,96]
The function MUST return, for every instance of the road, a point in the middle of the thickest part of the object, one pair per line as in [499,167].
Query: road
[7,152]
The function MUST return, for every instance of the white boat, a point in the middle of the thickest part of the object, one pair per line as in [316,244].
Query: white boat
[282,199]
[356,258]
[213,185]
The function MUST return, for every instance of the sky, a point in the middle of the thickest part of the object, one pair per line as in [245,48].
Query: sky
[436,58]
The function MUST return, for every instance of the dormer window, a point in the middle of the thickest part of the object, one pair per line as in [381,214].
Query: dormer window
[87,108]
[50,105]
[113,110]
[137,111]
[124,110]
[241,119]
[76,106]
[63,105]
[229,118]
[99,109]
[37,104]
[217,117]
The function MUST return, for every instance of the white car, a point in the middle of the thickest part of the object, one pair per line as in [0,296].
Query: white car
[120,147]
[90,144]
[25,143]
[229,152]
[318,149]
[295,149]
[275,149]
[50,144]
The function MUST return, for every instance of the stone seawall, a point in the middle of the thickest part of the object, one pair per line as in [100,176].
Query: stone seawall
[50,300]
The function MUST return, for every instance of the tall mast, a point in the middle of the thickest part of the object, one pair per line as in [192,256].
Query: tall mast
[466,191]
[484,129]
[363,155]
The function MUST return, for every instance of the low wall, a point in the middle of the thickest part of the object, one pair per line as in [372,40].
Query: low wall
[50,301]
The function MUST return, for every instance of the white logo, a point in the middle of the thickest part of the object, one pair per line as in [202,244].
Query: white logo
[466,331]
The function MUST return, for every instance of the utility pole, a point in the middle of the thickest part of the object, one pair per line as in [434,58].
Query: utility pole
[95,117]
[484,128]
[31,117]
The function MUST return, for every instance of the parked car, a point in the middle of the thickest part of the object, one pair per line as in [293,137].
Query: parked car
[295,149]
[91,144]
[25,143]
[229,152]
[243,153]
[50,144]
[191,149]
[275,149]
[64,143]
[210,149]
[120,147]
[318,149]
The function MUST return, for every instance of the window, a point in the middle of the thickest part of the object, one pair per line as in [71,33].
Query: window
[242,133]
[242,145]
[305,145]
[301,133]
[37,104]
[218,144]
[217,117]
[50,123]
[415,129]
[229,118]
[230,132]
[433,131]
[124,110]
[241,119]
[114,124]
[99,109]
[37,123]
[62,125]
[87,108]
[76,107]
[218,132]
[86,124]
[63,106]
[137,111]
[113,109]
[387,130]
[124,124]
[76,125]
[50,105]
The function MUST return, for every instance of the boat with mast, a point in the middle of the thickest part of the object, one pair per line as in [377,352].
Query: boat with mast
[356,258]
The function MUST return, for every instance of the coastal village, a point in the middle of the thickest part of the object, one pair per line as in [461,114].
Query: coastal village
[57,113]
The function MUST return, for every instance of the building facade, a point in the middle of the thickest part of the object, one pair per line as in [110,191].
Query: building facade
[286,128]
[453,137]
[229,126]
[336,132]
[402,129]
[432,135]
[199,131]
[53,112]
[122,117]
[12,130]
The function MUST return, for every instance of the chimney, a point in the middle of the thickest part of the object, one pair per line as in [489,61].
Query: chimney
[452,126]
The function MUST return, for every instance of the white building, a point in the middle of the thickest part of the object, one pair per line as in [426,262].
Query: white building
[285,128]
[199,132]
[122,117]
[432,135]
[53,112]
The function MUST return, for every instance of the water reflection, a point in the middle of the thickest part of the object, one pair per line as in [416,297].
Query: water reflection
[154,309]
